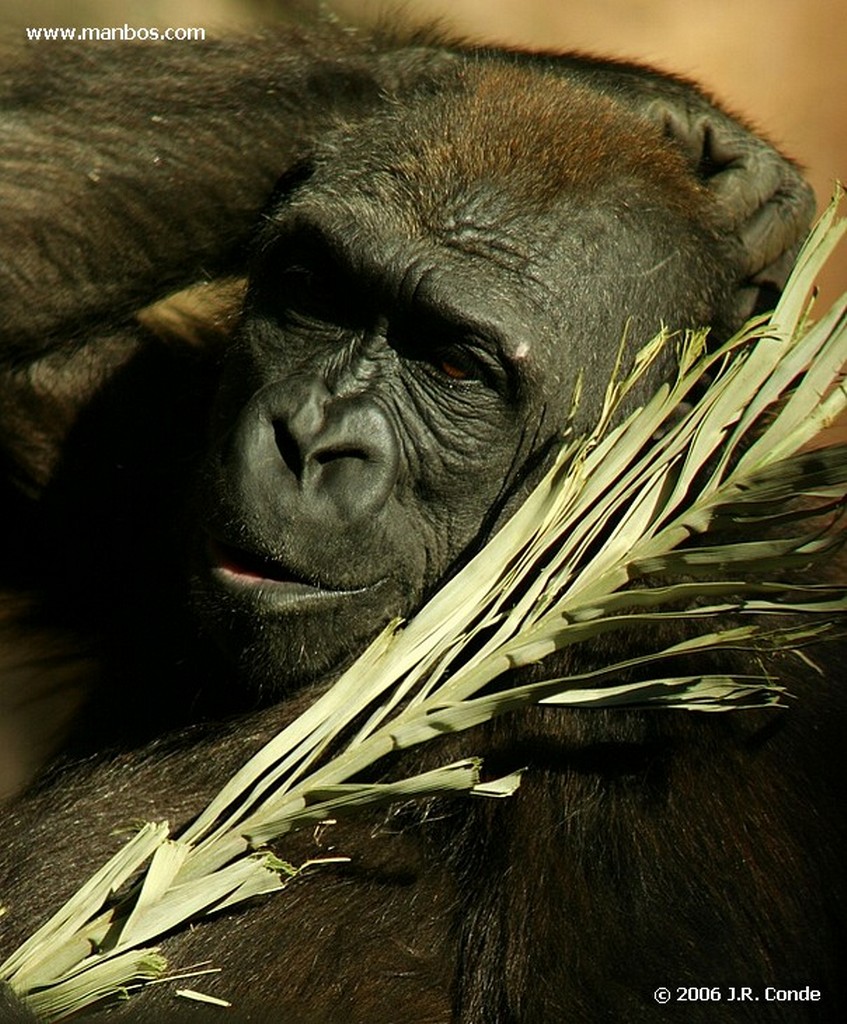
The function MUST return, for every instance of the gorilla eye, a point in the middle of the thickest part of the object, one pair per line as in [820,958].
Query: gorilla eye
[300,290]
[458,364]
[451,356]
[452,370]
[315,294]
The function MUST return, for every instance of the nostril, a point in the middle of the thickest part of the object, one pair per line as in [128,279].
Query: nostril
[327,455]
[288,449]
[341,458]
[297,456]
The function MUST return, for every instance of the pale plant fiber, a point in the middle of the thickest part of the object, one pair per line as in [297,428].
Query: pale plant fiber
[643,488]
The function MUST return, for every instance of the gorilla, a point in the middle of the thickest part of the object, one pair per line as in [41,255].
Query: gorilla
[290,325]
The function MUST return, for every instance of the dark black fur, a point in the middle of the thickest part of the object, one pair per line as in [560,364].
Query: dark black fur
[449,237]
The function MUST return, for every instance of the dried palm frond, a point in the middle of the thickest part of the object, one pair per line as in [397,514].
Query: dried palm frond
[603,543]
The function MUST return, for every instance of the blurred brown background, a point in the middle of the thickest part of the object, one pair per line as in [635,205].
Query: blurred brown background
[781,64]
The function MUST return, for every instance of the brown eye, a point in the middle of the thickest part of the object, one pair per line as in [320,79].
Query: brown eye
[457,363]
[453,371]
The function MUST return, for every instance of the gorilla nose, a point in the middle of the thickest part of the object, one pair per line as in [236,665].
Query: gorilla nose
[340,452]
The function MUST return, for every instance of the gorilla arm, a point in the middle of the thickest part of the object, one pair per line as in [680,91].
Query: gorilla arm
[762,199]
[131,171]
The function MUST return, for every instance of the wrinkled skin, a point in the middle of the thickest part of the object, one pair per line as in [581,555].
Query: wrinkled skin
[213,511]
[387,350]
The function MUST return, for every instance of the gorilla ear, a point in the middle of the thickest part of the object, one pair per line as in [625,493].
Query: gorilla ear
[760,196]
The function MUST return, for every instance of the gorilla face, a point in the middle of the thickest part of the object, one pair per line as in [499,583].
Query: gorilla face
[404,364]
[369,418]
[460,234]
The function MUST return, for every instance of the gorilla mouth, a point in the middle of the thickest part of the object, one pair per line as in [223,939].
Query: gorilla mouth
[246,568]
[255,567]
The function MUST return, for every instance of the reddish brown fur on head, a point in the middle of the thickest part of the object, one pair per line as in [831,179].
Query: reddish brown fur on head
[539,136]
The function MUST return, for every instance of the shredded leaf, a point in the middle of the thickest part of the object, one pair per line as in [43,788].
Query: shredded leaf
[604,543]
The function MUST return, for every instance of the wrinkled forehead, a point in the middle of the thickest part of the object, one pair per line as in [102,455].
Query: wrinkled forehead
[518,201]
[507,137]
[522,181]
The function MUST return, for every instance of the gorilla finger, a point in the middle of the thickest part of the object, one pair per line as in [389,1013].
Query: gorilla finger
[743,172]
[771,238]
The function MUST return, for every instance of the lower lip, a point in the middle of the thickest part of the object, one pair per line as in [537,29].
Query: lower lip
[273,595]
[277,592]
[249,581]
